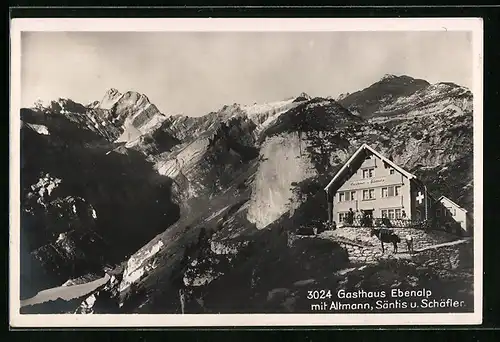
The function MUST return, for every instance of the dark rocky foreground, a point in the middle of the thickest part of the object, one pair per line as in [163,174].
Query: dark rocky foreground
[206,208]
[285,275]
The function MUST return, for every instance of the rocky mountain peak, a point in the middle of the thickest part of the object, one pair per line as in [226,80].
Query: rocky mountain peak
[388,77]
[387,90]
[112,92]
[93,104]
[134,97]
[304,96]
[65,106]
[342,96]
[401,80]
[110,98]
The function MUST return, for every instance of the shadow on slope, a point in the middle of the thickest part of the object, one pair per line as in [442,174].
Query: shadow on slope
[131,203]
[269,269]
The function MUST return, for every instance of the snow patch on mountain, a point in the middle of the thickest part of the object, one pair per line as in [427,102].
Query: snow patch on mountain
[258,109]
[264,115]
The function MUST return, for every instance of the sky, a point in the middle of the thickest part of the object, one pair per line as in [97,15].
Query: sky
[193,73]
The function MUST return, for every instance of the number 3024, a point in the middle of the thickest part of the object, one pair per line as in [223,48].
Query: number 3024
[319,294]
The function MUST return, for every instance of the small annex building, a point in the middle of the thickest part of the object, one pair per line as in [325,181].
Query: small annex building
[448,211]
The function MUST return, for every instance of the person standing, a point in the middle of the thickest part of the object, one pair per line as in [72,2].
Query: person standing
[358,217]
[350,216]
[409,243]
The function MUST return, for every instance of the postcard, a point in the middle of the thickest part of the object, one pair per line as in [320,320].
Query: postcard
[246,172]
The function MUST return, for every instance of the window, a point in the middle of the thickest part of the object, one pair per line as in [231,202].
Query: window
[342,217]
[397,213]
[385,192]
[391,171]
[451,211]
[368,173]
[438,212]
[391,191]
[368,194]
[353,195]
[347,196]
[391,213]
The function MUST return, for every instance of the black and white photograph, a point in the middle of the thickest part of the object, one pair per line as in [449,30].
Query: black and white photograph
[245,172]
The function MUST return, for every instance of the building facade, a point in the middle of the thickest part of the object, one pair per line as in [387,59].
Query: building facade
[449,211]
[371,184]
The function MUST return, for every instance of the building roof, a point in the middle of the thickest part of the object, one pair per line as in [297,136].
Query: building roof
[455,204]
[357,154]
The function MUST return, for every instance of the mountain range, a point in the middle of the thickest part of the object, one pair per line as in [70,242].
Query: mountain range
[206,204]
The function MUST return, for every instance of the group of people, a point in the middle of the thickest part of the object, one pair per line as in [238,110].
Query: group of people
[364,218]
